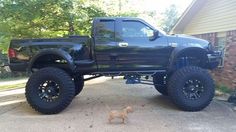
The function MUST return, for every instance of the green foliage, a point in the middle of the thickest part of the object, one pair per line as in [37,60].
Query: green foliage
[170,17]
[44,19]
[223,88]
[3,59]
[4,42]
[54,18]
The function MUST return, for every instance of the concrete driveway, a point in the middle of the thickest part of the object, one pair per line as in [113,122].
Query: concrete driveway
[88,112]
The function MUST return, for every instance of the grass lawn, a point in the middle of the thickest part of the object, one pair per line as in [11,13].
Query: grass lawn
[12,86]
[11,79]
[12,83]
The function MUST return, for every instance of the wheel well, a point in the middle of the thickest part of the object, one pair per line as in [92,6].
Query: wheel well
[49,60]
[193,57]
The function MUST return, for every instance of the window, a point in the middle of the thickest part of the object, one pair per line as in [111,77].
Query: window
[221,41]
[105,29]
[136,29]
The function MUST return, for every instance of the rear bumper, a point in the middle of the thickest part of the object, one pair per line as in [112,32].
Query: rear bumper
[21,67]
[214,59]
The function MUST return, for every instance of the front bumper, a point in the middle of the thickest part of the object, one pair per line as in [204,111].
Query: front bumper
[214,59]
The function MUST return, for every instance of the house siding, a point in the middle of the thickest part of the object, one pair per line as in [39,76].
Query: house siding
[214,16]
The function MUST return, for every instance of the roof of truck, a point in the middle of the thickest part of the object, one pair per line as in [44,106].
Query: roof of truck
[130,18]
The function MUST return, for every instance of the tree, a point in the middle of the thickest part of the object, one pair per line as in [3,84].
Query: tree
[54,18]
[170,17]
[44,19]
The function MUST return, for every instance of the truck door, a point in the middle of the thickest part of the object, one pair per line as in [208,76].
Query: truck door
[105,44]
[137,50]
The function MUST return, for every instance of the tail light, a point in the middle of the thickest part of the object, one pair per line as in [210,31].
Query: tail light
[11,53]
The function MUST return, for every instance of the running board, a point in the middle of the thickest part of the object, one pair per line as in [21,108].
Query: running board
[122,73]
[85,62]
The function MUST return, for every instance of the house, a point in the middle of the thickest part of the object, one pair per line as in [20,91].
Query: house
[214,20]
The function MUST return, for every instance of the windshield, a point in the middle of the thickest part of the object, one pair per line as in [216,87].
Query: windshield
[153,24]
[160,31]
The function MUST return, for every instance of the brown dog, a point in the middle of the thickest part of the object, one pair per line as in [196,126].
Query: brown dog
[120,114]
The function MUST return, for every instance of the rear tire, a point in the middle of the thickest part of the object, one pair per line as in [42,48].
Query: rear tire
[191,88]
[160,83]
[49,90]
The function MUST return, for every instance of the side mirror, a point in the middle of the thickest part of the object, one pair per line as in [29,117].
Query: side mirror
[155,35]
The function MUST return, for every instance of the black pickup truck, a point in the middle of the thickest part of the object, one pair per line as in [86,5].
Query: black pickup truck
[128,47]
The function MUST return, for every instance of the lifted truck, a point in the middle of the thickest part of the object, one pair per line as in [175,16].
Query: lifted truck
[128,47]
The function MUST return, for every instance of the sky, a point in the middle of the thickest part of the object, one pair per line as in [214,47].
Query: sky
[145,7]
[160,5]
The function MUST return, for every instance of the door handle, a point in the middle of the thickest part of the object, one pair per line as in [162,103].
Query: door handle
[123,44]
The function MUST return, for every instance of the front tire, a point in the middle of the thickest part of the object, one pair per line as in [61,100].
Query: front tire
[191,88]
[49,90]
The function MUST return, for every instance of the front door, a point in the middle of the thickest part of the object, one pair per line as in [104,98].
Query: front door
[138,51]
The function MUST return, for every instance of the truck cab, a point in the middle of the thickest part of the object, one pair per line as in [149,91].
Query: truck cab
[127,44]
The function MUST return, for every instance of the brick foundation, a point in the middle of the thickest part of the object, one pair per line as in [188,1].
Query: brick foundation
[226,75]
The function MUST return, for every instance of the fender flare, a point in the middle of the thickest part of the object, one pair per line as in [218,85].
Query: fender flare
[57,52]
[178,51]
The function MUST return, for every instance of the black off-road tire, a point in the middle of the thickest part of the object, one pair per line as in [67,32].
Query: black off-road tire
[160,83]
[65,93]
[183,81]
[79,84]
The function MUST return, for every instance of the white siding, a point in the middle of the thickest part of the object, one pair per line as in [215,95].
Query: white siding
[214,16]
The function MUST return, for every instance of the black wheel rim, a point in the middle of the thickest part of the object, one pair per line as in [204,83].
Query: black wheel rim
[193,89]
[49,91]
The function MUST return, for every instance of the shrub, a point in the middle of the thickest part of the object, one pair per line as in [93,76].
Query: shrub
[4,72]
[223,88]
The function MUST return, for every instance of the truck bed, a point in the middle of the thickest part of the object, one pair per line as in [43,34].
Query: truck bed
[23,50]
[74,39]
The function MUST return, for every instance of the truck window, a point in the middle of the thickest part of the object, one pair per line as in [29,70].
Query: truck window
[105,30]
[135,29]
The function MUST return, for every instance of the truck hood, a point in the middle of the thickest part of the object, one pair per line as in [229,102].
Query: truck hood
[188,41]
